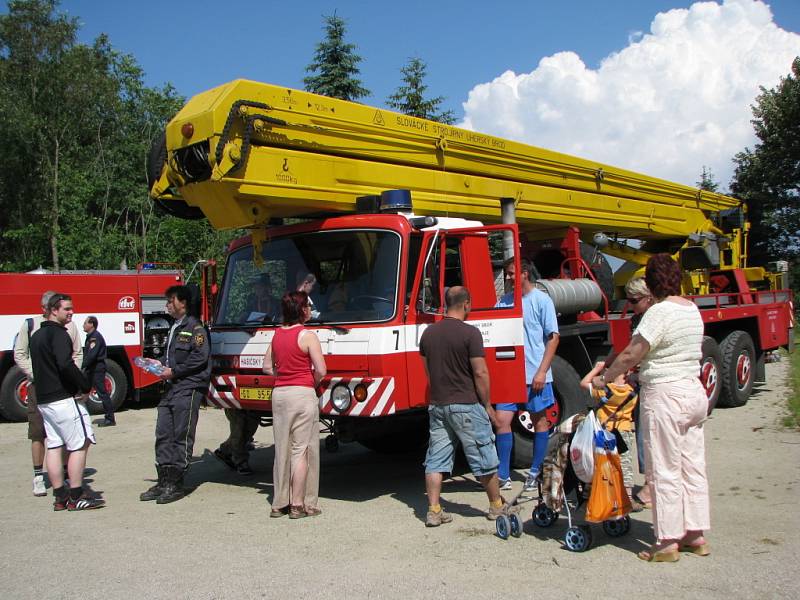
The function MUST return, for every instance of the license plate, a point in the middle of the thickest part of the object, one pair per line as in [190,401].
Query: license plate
[246,393]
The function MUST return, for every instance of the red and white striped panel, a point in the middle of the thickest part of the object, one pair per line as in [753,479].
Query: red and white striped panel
[378,403]
[223,399]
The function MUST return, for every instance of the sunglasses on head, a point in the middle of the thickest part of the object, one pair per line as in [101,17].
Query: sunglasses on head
[634,301]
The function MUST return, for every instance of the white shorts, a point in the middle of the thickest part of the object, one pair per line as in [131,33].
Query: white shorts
[66,423]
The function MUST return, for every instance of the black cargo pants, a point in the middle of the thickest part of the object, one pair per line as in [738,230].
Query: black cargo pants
[176,424]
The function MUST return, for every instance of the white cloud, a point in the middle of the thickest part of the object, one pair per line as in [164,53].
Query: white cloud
[673,100]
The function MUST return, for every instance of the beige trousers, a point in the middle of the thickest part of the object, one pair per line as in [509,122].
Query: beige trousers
[295,426]
[672,417]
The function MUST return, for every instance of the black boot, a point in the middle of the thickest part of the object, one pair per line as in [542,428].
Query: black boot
[173,489]
[155,491]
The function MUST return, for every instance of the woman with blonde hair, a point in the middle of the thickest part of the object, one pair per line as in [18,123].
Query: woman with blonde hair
[295,358]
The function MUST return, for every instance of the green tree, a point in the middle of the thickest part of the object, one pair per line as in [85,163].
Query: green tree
[410,97]
[77,123]
[707,181]
[335,65]
[768,176]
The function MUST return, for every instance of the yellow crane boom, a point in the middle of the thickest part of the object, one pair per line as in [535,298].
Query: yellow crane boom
[245,152]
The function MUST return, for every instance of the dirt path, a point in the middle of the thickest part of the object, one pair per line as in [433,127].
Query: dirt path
[370,542]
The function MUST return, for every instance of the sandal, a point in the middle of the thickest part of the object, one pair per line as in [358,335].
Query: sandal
[276,513]
[699,549]
[312,512]
[642,503]
[659,555]
[297,512]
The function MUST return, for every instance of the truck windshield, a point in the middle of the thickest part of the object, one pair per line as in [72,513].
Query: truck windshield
[350,275]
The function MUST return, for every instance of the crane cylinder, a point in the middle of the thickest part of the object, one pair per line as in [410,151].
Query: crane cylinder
[572,296]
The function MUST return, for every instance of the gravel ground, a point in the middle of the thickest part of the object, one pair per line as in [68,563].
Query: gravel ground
[370,541]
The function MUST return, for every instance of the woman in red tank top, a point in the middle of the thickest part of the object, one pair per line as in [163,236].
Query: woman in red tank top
[295,359]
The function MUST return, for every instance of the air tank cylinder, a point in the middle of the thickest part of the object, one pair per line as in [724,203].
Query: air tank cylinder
[571,296]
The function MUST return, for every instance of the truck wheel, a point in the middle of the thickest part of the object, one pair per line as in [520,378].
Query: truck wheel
[14,395]
[570,398]
[738,359]
[710,370]
[117,386]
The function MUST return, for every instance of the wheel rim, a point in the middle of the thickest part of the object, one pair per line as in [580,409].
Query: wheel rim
[516,525]
[553,415]
[111,388]
[709,377]
[21,392]
[743,370]
[503,526]
[575,539]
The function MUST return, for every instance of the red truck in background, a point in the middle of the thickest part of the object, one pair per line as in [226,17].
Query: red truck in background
[130,309]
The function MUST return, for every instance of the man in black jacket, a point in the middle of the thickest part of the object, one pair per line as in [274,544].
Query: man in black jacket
[58,383]
[187,373]
[94,367]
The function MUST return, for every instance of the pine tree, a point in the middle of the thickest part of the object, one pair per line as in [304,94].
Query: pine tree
[410,98]
[335,65]
[707,181]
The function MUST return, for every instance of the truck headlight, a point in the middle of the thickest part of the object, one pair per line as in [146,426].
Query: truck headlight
[340,397]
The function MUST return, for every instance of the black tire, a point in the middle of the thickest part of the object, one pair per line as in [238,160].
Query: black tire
[117,382]
[738,361]
[570,399]
[711,371]
[13,403]
[155,165]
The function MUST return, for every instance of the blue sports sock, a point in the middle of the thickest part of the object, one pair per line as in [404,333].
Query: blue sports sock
[504,443]
[539,450]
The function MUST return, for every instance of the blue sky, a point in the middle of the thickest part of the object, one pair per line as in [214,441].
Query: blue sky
[199,44]
[479,53]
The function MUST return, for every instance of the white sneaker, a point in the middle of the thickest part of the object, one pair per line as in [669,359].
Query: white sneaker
[505,484]
[530,483]
[38,486]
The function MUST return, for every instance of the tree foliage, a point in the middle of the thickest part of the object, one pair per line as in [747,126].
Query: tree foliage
[768,176]
[410,97]
[335,65]
[707,181]
[77,122]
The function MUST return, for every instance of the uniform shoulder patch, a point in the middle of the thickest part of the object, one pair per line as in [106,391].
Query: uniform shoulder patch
[199,339]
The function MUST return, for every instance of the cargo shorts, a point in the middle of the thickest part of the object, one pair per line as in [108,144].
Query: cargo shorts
[467,424]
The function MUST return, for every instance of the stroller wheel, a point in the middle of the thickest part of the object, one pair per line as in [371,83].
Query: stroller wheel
[578,538]
[516,525]
[544,516]
[503,527]
[617,527]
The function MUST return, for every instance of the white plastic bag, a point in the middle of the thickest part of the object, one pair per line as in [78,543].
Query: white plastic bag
[581,451]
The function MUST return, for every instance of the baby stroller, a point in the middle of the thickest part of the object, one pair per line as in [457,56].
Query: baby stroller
[559,489]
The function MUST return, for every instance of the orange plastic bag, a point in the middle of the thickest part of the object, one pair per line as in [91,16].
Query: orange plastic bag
[608,498]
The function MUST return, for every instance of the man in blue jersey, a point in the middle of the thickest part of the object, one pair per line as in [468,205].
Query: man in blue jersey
[541,340]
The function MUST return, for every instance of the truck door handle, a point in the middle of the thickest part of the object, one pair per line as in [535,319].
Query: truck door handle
[507,353]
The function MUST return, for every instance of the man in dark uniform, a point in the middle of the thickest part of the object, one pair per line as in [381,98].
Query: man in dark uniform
[187,372]
[94,367]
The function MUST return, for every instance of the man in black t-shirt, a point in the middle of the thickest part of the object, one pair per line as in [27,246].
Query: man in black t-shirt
[459,410]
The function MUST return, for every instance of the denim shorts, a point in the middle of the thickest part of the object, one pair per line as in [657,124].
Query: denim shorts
[536,402]
[467,424]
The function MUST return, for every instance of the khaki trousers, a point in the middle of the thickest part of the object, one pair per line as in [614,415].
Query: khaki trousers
[295,426]
[672,418]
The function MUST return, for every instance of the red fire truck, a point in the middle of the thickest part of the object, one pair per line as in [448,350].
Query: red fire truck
[248,154]
[131,314]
